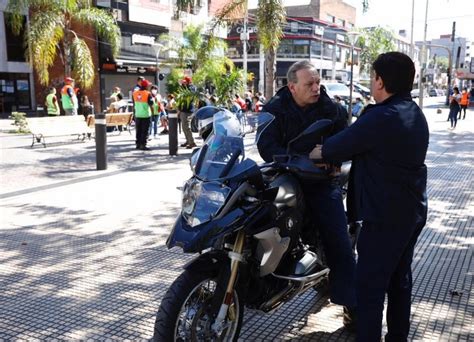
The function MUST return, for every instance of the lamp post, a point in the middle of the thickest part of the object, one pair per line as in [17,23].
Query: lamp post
[321,31]
[352,35]
[158,48]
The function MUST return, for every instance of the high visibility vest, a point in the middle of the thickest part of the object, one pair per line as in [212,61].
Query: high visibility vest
[51,106]
[67,101]
[140,98]
[464,99]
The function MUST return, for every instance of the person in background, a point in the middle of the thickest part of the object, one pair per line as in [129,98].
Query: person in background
[256,104]
[454,107]
[51,103]
[164,117]
[115,105]
[261,97]
[143,105]
[240,102]
[185,112]
[157,109]
[116,92]
[357,107]
[339,100]
[69,97]
[86,106]
[387,191]
[464,102]
[169,108]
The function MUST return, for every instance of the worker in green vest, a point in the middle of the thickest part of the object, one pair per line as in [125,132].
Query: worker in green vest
[51,103]
[143,105]
[69,97]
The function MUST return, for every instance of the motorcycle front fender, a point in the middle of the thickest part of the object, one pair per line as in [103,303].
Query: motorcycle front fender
[208,262]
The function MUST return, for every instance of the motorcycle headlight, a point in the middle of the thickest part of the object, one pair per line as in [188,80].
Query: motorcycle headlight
[202,200]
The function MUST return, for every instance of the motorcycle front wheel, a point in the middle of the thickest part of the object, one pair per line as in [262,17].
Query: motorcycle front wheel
[186,313]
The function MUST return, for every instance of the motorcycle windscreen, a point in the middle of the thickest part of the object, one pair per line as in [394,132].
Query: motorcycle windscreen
[224,154]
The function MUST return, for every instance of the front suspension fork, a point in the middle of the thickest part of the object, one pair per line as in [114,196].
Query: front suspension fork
[236,258]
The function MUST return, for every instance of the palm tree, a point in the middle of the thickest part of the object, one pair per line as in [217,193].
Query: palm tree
[271,18]
[51,31]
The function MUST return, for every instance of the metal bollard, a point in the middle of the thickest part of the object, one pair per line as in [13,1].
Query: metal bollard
[100,141]
[173,133]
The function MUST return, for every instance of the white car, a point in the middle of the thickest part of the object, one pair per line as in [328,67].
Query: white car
[343,91]
[416,93]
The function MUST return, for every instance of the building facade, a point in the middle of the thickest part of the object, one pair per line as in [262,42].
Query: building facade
[315,31]
[16,80]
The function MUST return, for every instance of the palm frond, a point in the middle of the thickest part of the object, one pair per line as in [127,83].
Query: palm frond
[103,23]
[271,19]
[45,32]
[82,64]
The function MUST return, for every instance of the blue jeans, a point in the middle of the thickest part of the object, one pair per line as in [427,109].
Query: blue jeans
[154,124]
[326,207]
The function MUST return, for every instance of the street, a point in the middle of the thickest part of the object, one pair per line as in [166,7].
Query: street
[83,255]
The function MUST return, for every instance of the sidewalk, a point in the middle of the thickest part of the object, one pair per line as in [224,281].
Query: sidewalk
[82,252]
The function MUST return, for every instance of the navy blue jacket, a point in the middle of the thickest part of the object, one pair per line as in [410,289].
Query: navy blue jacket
[387,145]
[291,120]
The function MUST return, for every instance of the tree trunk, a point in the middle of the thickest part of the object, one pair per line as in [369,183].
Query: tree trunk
[270,72]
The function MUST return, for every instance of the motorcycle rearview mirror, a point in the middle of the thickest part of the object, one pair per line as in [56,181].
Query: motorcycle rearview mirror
[319,128]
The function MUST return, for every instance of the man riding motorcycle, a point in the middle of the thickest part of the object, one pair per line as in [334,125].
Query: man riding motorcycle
[295,107]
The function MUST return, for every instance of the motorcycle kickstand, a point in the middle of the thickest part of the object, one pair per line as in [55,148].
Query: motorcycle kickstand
[236,257]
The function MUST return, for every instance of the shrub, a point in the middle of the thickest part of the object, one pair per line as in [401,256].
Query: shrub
[19,120]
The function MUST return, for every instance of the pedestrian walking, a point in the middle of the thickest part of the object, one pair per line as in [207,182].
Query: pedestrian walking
[464,102]
[143,105]
[454,107]
[388,146]
[69,97]
[51,103]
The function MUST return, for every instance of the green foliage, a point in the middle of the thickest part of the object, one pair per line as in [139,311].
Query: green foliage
[50,34]
[19,120]
[185,97]
[374,41]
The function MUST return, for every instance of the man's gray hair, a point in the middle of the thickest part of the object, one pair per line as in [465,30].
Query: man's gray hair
[291,74]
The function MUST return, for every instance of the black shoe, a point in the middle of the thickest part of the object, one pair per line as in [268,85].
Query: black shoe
[144,148]
[184,144]
[163,132]
[349,318]
[137,147]
[191,146]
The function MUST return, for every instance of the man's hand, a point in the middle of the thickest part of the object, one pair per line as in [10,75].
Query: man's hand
[316,153]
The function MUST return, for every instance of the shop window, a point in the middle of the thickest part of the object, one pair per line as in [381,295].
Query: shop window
[15,48]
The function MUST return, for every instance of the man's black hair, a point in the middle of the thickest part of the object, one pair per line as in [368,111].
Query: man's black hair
[140,78]
[396,70]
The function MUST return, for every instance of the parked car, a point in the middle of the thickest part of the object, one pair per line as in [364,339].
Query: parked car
[416,93]
[436,92]
[360,89]
[343,91]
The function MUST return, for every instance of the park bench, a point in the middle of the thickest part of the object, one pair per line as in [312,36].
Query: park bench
[56,126]
[114,120]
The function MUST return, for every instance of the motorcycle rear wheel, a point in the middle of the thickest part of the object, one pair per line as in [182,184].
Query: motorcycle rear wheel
[184,313]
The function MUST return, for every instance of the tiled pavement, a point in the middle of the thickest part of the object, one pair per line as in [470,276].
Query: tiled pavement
[82,252]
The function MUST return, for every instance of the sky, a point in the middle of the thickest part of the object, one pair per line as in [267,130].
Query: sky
[396,14]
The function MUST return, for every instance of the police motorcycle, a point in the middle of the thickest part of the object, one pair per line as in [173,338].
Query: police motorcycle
[257,248]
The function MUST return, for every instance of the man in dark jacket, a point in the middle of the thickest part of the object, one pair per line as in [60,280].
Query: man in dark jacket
[296,107]
[387,145]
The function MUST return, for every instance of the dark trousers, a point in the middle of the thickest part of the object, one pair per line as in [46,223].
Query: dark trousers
[453,116]
[141,127]
[326,207]
[385,253]
[463,109]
